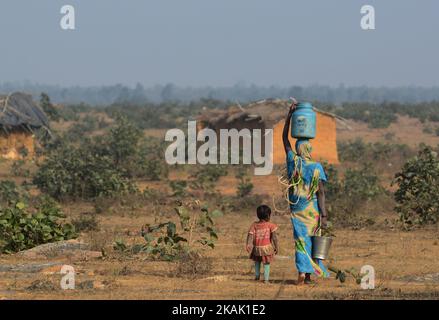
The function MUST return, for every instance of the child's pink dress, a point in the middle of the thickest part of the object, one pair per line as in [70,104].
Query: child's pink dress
[263,250]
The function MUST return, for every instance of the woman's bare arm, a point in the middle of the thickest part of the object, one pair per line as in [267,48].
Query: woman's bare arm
[286,131]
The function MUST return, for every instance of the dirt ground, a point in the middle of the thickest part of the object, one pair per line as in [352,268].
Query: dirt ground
[405,263]
[405,130]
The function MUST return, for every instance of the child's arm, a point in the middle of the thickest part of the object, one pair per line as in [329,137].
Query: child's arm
[249,244]
[275,242]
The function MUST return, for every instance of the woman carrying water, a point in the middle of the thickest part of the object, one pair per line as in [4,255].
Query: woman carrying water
[307,202]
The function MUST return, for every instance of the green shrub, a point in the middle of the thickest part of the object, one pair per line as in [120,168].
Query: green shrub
[245,186]
[359,151]
[196,232]
[346,197]
[101,166]
[418,187]
[10,193]
[18,168]
[80,172]
[362,184]
[48,107]
[210,172]
[179,188]
[148,162]
[20,230]
[376,116]
[333,187]
[123,141]
[206,177]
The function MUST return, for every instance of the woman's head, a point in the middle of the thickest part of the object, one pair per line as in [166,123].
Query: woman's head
[304,148]
[263,212]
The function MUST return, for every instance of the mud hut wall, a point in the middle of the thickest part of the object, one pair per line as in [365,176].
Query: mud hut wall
[13,141]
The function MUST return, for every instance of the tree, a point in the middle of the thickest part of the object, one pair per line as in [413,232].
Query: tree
[48,107]
[418,188]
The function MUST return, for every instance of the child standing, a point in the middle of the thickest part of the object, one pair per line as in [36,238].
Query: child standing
[262,242]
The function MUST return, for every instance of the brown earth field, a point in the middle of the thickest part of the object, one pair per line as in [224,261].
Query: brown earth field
[406,263]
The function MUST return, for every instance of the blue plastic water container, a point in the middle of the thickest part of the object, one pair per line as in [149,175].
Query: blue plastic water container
[303,121]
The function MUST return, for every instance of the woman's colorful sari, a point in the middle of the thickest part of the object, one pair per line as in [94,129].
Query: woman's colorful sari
[305,175]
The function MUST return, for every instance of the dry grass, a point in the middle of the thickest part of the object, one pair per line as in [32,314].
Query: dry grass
[403,261]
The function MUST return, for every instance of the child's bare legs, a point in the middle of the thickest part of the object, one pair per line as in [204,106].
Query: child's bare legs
[257,270]
[266,272]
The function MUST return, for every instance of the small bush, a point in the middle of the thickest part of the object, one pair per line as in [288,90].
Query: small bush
[362,184]
[418,187]
[10,193]
[346,197]
[167,241]
[179,188]
[19,170]
[210,173]
[48,107]
[245,186]
[80,173]
[20,230]
[99,167]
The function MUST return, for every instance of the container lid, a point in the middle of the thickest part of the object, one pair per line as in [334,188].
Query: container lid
[305,105]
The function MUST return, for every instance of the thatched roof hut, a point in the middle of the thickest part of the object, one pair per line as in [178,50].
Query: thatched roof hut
[19,117]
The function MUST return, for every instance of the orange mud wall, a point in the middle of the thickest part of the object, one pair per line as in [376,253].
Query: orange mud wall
[324,145]
[11,143]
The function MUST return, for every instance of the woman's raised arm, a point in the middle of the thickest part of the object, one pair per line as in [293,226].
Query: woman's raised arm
[286,131]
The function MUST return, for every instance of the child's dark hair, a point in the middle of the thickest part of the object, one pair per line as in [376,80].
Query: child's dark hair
[263,212]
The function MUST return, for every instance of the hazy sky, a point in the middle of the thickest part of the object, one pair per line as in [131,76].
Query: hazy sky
[220,42]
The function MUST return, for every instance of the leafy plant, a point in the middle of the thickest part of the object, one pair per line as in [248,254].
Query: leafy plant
[346,197]
[245,186]
[162,240]
[10,193]
[195,232]
[418,187]
[197,221]
[362,184]
[48,107]
[19,170]
[206,176]
[20,230]
[179,188]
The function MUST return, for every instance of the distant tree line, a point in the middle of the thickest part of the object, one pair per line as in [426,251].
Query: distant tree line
[105,95]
